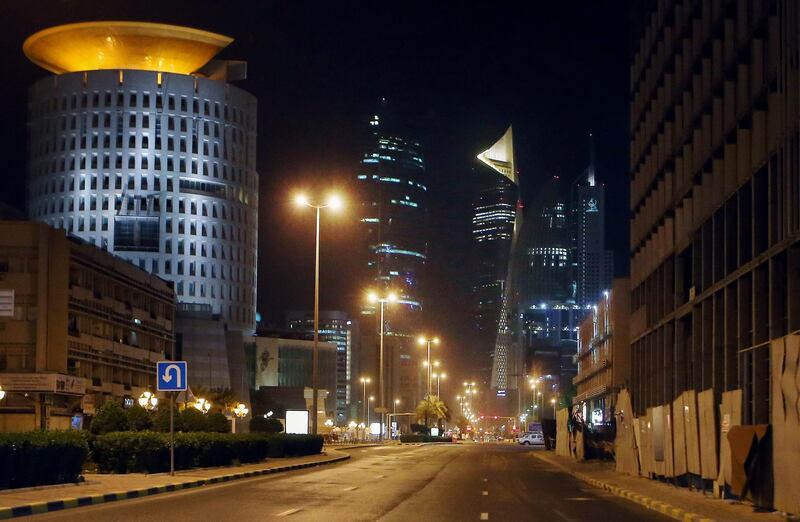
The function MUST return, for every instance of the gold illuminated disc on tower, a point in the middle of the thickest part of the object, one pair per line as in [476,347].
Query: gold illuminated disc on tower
[144,46]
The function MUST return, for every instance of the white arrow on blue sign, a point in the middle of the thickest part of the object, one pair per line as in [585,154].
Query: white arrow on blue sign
[171,375]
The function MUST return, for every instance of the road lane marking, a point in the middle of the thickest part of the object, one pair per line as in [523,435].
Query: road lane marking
[562,515]
[485,493]
[381,476]
[579,498]
[351,488]
[484,516]
[486,480]
[288,512]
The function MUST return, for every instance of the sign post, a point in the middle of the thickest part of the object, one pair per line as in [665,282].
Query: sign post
[171,377]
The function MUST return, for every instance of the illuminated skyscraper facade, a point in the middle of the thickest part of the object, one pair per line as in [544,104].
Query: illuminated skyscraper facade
[139,145]
[392,187]
[496,222]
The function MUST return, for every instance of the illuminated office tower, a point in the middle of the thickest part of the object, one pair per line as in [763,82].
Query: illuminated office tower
[392,187]
[139,145]
[496,225]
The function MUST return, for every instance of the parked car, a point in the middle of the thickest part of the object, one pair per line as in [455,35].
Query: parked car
[535,438]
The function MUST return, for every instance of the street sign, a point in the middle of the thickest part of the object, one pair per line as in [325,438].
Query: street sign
[171,375]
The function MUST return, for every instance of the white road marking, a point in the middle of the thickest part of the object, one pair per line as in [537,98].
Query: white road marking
[381,476]
[562,515]
[485,493]
[351,488]
[486,480]
[484,516]
[288,512]
[579,498]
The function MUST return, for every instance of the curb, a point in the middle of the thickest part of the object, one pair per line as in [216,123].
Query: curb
[68,503]
[655,505]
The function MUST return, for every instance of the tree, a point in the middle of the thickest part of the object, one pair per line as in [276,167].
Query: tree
[431,407]
[462,423]
[139,419]
[110,417]
[262,425]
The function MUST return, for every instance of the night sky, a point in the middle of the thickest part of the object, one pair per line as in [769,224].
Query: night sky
[460,75]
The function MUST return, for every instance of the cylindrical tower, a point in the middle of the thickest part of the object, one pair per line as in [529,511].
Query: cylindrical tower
[136,151]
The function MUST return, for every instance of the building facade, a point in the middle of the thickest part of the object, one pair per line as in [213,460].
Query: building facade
[393,190]
[603,356]
[282,374]
[715,225]
[593,265]
[149,153]
[80,327]
[494,210]
[334,327]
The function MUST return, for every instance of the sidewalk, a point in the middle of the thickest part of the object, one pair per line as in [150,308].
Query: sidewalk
[676,502]
[100,488]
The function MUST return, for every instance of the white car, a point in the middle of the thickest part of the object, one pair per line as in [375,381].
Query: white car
[531,439]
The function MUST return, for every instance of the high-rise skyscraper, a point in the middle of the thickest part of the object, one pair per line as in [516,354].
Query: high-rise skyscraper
[393,192]
[499,220]
[140,145]
[593,265]
[493,218]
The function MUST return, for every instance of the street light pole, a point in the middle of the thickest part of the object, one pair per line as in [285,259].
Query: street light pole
[334,202]
[315,356]
[428,341]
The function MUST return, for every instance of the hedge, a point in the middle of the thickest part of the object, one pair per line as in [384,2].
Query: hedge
[37,458]
[424,438]
[148,452]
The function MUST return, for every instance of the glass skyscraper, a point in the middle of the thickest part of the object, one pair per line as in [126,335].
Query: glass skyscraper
[393,193]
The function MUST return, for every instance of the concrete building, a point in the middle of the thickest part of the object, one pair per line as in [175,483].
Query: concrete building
[603,356]
[280,370]
[715,224]
[337,328]
[78,327]
[148,152]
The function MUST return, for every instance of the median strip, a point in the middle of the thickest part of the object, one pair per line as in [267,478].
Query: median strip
[68,503]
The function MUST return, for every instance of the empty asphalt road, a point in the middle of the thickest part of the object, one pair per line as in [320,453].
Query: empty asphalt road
[389,483]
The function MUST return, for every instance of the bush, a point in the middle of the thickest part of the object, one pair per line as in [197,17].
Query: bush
[109,417]
[41,457]
[218,423]
[420,428]
[424,438]
[262,425]
[293,445]
[139,419]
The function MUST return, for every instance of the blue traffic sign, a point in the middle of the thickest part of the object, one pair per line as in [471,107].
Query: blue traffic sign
[171,375]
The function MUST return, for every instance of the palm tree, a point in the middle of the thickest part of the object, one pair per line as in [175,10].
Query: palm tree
[431,407]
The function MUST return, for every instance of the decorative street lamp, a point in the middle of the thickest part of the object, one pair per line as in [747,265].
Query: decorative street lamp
[2,393]
[240,411]
[428,341]
[202,405]
[334,203]
[147,400]
[391,297]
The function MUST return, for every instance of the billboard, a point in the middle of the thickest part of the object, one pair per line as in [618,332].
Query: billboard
[297,421]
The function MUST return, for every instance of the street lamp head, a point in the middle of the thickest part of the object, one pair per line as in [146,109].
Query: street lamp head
[552,401]
[473,383]
[422,340]
[335,202]
[371,398]
[397,401]
[391,297]
[444,376]
[435,340]
[301,200]
[2,393]
[434,375]
[372,297]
